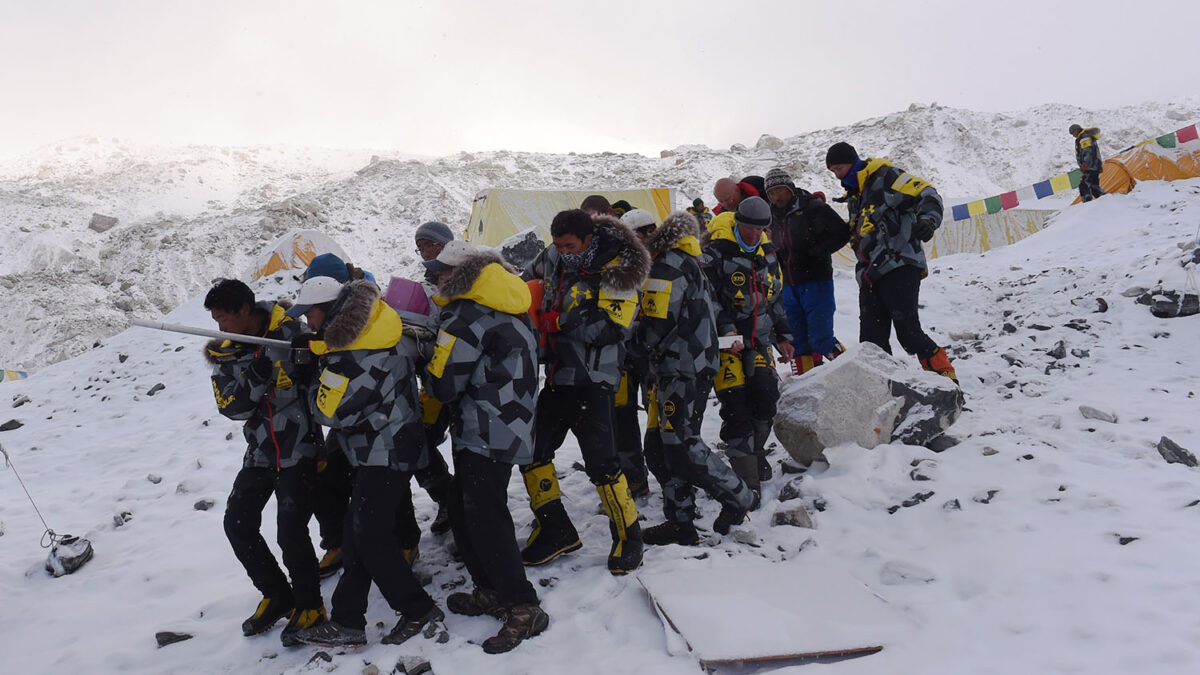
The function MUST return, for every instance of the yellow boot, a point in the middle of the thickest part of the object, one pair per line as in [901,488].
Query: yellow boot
[626,553]
[553,535]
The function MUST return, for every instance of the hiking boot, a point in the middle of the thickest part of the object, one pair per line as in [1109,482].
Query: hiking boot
[520,623]
[764,469]
[762,433]
[626,553]
[939,363]
[476,603]
[332,634]
[671,532]
[406,628]
[553,534]
[269,611]
[441,522]
[728,517]
[639,489]
[331,562]
[746,468]
[301,619]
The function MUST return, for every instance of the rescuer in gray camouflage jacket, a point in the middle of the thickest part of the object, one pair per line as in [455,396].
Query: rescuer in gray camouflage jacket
[677,330]
[484,369]
[588,304]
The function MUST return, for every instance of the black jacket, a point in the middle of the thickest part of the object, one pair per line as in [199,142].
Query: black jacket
[807,233]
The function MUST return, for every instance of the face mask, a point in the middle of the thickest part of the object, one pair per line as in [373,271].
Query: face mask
[582,259]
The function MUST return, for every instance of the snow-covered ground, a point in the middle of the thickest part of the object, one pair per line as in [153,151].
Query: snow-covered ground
[1071,549]
[188,215]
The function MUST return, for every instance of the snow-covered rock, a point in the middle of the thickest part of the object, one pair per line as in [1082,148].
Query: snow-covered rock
[868,397]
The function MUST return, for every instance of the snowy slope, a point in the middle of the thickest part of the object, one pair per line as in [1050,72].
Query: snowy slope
[1035,579]
[188,215]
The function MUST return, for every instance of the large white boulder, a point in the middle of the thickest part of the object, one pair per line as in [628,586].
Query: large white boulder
[868,397]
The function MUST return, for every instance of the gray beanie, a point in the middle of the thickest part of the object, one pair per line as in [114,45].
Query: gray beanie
[434,231]
[753,212]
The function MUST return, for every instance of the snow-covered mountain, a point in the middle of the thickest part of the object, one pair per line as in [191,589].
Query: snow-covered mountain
[189,215]
[1046,541]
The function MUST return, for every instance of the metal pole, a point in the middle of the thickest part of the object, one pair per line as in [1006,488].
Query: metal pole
[206,332]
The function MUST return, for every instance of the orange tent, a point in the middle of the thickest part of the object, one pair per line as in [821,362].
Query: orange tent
[1149,161]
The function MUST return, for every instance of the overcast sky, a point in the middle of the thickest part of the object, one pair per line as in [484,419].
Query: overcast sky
[439,77]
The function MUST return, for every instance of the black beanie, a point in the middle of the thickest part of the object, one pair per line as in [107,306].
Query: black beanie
[840,153]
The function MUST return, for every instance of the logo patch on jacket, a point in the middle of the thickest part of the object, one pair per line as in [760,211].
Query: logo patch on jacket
[329,396]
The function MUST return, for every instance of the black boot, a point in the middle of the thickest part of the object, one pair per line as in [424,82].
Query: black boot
[553,535]
[747,469]
[476,603]
[269,611]
[407,628]
[762,431]
[671,532]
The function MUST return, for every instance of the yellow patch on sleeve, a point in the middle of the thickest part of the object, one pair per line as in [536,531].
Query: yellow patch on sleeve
[329,395]
[910,185]
[656,303]
[441,353]
[1085,142]
[621,306]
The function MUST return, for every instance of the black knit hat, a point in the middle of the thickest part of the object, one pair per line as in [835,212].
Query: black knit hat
[840,153]
[779,178]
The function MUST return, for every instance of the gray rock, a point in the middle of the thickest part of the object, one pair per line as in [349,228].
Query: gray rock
[952,505]
[795,517]
[768,142]
[1059,351]
[101,223]
[154,478]
[1096,414]
[866,397]
[1175,453]
[204,504]
[11,424]
[156,388]
[164,638]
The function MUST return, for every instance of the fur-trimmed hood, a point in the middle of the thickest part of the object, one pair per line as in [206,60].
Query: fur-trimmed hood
[676,226]
[486,279]
[621,260]
[359,319]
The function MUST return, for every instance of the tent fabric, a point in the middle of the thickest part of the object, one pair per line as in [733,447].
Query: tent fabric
[293,251]
[1150,161]
[498,214]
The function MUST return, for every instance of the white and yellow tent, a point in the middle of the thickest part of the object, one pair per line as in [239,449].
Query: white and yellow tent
[498,214]
[293,251]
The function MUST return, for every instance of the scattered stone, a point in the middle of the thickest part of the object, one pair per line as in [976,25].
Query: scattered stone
[413,665]
[547,582]
[1095,414]
[895,573]
[122,357]
[982,499]
[788,467]
[1133,292]
[154,478]
[122,518]
[989,451]
[952,505]
[1125,540]
[1080,353]
[156,388]
[320,656]
[916,499]
[790,491]
[1175,453]
[919,474]
[101,223]
[1059,351]
[1077,324]
[1101,305]
[797,517]
[1012,360]
[371,669]
[868,397]
[203,504]
[942,443]
[1039,326]
[1194,502]
[1052,421]
[1009,328]
[164,638]
[1170,304]
[11,424]
[819,504]
[229,436]
[1026,457]
[20,400]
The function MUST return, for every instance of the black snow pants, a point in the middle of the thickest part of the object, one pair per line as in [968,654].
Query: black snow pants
[892,301]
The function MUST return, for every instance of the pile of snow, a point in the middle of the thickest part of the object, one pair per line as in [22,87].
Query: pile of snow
[188,215]
[1047,540]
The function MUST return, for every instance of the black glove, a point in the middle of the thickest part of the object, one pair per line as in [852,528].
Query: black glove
[260,368]
[301,355]
[924,229]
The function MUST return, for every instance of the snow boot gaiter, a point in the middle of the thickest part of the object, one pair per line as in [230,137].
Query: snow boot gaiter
[626,553]
[553,535]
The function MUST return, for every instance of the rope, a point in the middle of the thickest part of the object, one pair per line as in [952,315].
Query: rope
[49,537]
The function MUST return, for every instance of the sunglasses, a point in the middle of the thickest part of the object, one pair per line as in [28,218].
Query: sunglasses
[428,246]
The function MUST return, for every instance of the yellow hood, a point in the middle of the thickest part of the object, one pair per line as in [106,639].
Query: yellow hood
[689,245]
[495,288]
[873,165]
[722,228]
[383,331]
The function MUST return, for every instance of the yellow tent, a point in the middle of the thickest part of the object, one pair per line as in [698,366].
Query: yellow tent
[498,214]
[293,251]
[1149,161]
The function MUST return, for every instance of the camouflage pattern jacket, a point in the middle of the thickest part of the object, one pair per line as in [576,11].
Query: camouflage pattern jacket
[677,327]
[1087,150]
[278,427]
[485,364]
[883,212]
[367,388]
[596,305]
[746,287]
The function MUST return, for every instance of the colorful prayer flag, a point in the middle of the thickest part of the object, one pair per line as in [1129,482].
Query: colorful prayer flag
[993,204]
[1026,194]
[1076,177]
[976,208]
[1186,134]
[1043,189]
[1009,200]
[960,212]
[1060,183]
[1166,140]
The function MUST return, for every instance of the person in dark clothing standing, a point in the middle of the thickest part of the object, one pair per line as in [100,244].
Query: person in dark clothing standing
[746,282]
[367,391]
[891,213]
[280,458]
[807,232]
[592,274]
[1087,153]
[484,369]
